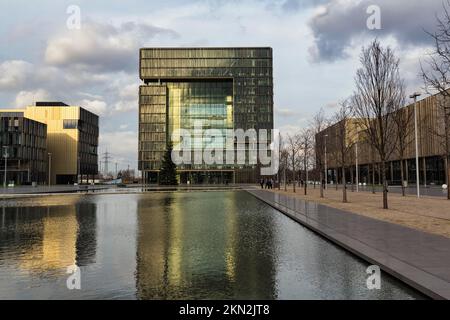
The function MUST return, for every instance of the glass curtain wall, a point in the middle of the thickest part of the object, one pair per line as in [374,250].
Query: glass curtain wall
[201,105]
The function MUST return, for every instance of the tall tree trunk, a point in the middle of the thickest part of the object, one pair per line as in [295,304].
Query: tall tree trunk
[344,186]
[385,186]
[402,174]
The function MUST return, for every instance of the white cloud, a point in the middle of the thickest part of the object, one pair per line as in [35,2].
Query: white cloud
[285,112]
[122,144]
[99,107]
[101,46]
[13,73]
[128,98]
[26,98]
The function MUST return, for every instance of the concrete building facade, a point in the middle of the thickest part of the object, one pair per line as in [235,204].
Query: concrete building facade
[432,135]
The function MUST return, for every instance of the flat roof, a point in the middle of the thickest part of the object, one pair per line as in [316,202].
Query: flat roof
[50,104]
[203,48]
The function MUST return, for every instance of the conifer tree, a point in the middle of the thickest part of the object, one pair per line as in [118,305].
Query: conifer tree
[168,172]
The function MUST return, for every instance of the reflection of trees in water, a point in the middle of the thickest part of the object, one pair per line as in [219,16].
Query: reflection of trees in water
[204,245]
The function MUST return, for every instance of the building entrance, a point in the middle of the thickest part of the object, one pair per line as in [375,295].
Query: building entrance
[206,177]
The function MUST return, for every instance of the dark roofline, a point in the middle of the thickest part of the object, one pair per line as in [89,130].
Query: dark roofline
[50,104]
[203,48]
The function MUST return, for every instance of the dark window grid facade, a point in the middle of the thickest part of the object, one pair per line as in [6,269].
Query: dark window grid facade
[206,53]
[152,126]
[88,132]
[27,148]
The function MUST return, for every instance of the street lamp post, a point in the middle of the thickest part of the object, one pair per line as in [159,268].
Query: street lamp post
[357,171]
[49,167]
[326,169]
[78,171]
[414,96]
[6,164]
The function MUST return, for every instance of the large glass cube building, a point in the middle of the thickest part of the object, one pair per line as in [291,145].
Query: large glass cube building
[218,88]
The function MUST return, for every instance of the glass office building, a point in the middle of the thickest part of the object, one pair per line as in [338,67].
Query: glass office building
[214,88]
[24,143]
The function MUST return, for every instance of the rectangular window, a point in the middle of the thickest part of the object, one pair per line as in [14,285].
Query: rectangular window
[70,124]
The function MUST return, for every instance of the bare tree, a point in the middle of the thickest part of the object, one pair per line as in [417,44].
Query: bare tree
[293,147]
[379,92]
[344,140]
[306,144]
[319,123]
[403,119]
[437,80]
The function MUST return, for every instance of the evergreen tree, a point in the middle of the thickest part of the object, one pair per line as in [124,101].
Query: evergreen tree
[168,172]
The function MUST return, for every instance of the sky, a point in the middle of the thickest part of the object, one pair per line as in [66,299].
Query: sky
[316,46]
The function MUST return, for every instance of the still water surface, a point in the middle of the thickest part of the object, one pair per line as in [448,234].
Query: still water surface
[179,245]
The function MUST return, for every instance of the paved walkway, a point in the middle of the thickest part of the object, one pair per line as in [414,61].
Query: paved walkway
[420,259]
[428,191]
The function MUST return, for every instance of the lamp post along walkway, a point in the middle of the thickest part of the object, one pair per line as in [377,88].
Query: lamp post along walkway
[414,96]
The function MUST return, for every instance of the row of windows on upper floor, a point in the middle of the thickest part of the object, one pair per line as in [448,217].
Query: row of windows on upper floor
[152,136]
[152,146]
[205,72]
[153,88]
[152,117]
[88,158]
[83,126]
[206,63]
[159,109]
[86,138]
[26,153]
[88,117]
[23,125]
[88,148]
[206,53]
[249,107]
[18,138]
[152,127]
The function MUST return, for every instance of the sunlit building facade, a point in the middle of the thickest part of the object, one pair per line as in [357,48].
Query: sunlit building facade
[212,88]
[72,140]
[72,134]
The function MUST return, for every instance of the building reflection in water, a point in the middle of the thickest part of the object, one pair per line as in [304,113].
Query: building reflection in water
[86,244]
[47,239]
[189,249]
